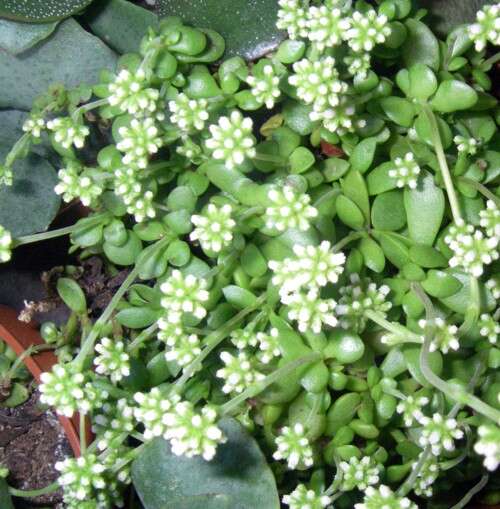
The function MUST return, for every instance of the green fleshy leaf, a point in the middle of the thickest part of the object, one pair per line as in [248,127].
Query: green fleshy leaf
[421,46]
[120,24]
[41,10]
[69,56]
[388,212]
[16,37]
[424,210]
[238,476]
[5,499]
[454,95]
[248,26]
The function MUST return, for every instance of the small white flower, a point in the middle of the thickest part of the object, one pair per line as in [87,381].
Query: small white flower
[406,171]
[183,294]
[427,475]
[188,114]
[232,140]
[302,498]
[466,145]
[269,345]
[214,228]
[170,332]
[243,338]
[490,220]
[185,350]
[493,286]
[326,26]
[487,27]
[367,30]
[411,409]
[439,432]
[489,328]
[77,183]
[294,447]
[265,86]
[488,445]
[358,64]
[288,209]
[67,132]
[112,359]
[113,424]
[359,473]
[445,336]
[5,245]
[384,498]
[237,373]
[292,17]
[141,207]
[34,125]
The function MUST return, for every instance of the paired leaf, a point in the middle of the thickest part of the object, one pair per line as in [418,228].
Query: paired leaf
[238,476]
[41,10]
[70,56]
[119,23]
[248,26]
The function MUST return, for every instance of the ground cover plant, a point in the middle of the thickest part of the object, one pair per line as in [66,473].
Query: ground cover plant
[307,248]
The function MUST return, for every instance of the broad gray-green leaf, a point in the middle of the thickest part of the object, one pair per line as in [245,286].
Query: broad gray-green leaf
[248,26]
[41,10]
[70,56]
[16,37]
[446,15]
[421,45]
[119,23]
[238,476]
[30,204]
[424,210]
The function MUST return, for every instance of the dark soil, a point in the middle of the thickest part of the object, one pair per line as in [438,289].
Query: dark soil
[31,442]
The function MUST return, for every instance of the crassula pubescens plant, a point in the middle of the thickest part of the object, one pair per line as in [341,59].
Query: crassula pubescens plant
[343,308]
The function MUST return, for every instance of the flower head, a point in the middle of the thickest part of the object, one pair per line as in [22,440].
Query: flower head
[406,171]
[490,219]
[445,336]
[269,345]
[76,182]
[139,140]
[327,26]
[34,125]
[487,27]
[68,390]
[466,145]
[141,206]
[411,409]
[427,475]
[358,64]
[294,447]
[489,328]
[232,140]
[310,311]
[237,373]
[383,498]
[302,498]
[493,286]
[356,298]
[115,422]
[288,209]
[367,30]
[214,228]
[359,473]
[293,18]
[439,432]
[192,433]
[130,92]
[185,349]
[183,294]
[67,132]
[265,85]
[188,114]
[243,338]
[5,245]
[112,359]
[488,445]
[170,332]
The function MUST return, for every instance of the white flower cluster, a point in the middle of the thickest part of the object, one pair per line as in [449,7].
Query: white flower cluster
[269,345]
[214,228]
[294,447]
[427,474]
[67,132]
[112,359]
[471,249]
[139,202]
[80,478]
[358,64]
[265,86]
[445,336]
[288,209]
[487,27]
[411,409]
[34,125]
[130,92]
[493,286]
[313,267]
[5,245]
[406,171]
[327,26]
[184,350]
[359,473]
[356,298]
[183,294]
[302,498]
[243,338]
[490,219]
[115,422]
[488,445]
[68,391]
[466,145]
[384,498]
[367,30]
[489,328]
[77,183]
[439,433]
[232,140]
[188,114]
[238,372]
[293,18]
[138,141]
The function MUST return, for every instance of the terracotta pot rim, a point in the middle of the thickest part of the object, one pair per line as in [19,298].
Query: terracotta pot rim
[20,336]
